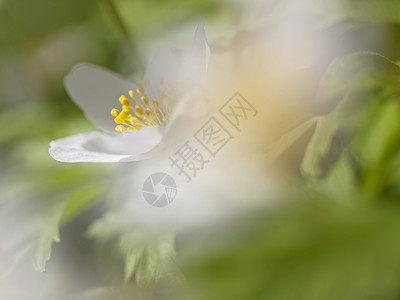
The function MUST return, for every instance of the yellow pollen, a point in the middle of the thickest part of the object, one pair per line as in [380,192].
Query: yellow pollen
[140,120]
[115,112]
[154,104]
[142,112]
[120,128]
[122,117]
[145,100]
[124,101]
[125,111]
[118,120]
[132,94]
[140,90]
[147,114]
[139,111]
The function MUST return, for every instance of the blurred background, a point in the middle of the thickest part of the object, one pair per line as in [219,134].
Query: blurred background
[325,79]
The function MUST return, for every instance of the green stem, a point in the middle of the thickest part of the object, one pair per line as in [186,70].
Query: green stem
[124,30]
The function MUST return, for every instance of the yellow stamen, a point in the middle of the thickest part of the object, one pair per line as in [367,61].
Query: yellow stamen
[140,90]
[139,111]
[145,100]
[125,111]
[132,94]
[120,128]
[124,101]
[142,112]
[140,120]
[118,120]
[154,104]
[115,112]
[147,114]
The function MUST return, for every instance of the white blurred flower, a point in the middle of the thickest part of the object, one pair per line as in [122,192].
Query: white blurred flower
[152,116]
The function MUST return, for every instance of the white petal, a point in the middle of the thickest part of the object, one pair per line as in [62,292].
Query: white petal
[102,147]
[96,91]
[200,55]
[186,118]
[169,63]
[194,68]
[72,149]
[165,63]
[192,104]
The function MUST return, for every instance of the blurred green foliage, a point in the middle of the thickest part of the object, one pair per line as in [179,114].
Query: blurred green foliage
[308,250]
[24,24]
[335,237]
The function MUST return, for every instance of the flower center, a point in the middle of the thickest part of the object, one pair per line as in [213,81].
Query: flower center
[140,112]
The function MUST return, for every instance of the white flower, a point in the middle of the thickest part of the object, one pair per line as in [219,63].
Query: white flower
[151,115]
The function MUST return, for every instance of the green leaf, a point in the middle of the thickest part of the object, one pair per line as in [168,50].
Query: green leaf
[375,142]
[353,82]
[82,200]
[32,207]
[158,263]
[147,252]
[319,145]
[132,259]
[382,133]
[361,71]
[33,235]
[339,183]
[47,232]
[41,248]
